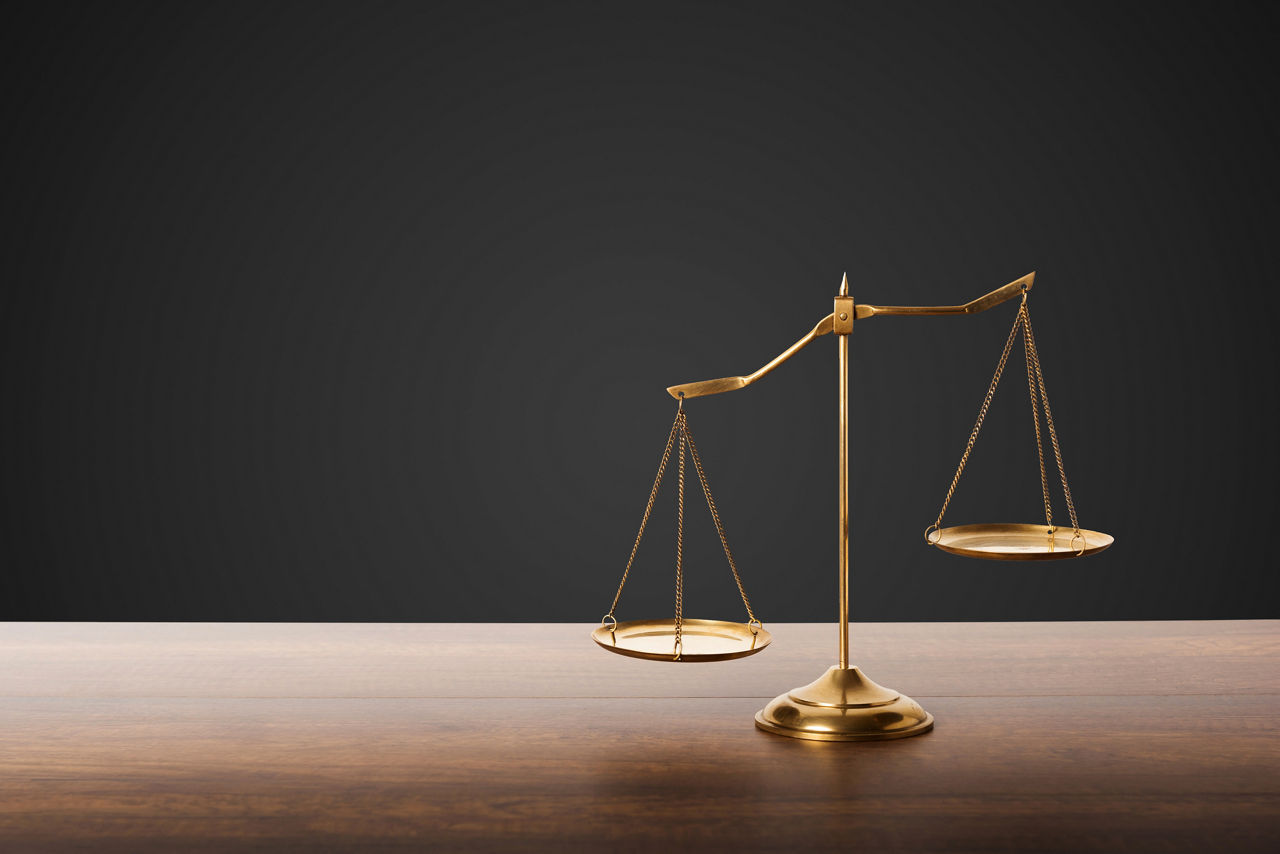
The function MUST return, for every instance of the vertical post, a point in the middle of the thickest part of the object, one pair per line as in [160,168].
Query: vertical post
[843,487]
[843,704]
[844,502]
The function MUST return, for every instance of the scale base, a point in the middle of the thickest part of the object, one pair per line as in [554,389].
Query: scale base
[844,705]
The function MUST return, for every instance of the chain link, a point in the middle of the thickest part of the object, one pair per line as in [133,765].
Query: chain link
[680,432]
[982,415]
[648,508]
[1028,352]
[1035,382]
[715,515]
[1053,433]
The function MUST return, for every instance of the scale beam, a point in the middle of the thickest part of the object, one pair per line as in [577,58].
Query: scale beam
[982,303]
[724,384]
[860,312]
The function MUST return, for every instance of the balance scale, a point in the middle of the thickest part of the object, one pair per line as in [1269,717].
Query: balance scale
[843,704]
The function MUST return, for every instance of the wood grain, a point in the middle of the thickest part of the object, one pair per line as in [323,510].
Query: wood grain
[204,738]
[558,660]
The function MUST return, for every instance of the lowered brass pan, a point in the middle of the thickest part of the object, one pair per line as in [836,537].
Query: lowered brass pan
[1010,541]
[701,640]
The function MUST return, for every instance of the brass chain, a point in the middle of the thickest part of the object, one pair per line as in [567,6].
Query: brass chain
[648,508]
[679,646]
[1035,412]
[715,515]
[1035,382]
[680,430]
[1053,433]
[977,427]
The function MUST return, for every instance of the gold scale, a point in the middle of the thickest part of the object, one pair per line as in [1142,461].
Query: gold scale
[843,704]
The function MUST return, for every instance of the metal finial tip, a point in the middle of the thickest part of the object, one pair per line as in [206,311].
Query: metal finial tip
[844,285]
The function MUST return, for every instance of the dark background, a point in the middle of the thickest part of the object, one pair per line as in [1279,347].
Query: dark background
[366,311]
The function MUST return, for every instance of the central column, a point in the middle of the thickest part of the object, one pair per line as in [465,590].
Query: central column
[844,501]
[843,704]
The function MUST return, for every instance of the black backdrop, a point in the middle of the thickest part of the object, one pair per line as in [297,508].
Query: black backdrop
[365,311]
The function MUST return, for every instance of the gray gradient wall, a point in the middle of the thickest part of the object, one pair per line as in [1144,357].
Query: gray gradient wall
[365,311]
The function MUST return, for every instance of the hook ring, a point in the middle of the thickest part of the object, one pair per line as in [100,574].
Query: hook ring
[1084,544]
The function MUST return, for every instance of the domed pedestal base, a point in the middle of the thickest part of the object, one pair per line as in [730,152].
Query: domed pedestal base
[844,705]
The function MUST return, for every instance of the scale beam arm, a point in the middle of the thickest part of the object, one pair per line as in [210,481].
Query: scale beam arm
[829,324]
[982,303]
[701,389]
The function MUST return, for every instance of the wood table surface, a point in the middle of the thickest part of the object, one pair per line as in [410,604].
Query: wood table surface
[1072,737]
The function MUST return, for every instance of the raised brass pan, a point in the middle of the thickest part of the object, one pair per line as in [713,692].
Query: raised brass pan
[702,640]
[1011,541]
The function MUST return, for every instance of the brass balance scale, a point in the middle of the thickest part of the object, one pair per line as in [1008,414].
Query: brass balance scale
[843,704]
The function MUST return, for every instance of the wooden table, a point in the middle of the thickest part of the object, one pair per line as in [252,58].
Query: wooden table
[1067,737]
